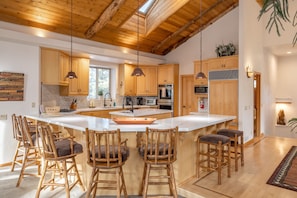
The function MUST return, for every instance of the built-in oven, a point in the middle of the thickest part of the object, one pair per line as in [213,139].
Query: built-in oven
[165,93]
[167,106]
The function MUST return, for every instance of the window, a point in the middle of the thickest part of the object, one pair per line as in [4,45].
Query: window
[146,7]
[99,80]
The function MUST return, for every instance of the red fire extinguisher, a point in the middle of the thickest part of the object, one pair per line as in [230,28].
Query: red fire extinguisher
[201,104]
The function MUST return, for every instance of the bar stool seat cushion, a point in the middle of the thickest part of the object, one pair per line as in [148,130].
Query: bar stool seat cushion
[214,138]
[63,147]
[230,132]
[113,149]
[163,149]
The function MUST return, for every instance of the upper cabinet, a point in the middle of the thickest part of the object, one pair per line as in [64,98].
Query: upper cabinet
[127,83]
[168,73]
[54,67]
[147,85]
[79,85]
[223,63]
[204,69]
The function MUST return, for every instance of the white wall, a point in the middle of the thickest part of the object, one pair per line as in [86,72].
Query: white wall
[18,58]
[286,83]
[223,31]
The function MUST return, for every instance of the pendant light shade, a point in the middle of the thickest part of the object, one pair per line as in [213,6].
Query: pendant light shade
[71,74]
[200,74]
[137,71]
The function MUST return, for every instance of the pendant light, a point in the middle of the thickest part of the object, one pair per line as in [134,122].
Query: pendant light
[71,74]
[137,71]
[200,74]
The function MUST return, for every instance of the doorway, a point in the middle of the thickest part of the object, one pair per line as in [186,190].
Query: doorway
[187,94]
[257,104]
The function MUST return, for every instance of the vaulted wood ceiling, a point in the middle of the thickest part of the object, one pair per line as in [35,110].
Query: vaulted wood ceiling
[166,26]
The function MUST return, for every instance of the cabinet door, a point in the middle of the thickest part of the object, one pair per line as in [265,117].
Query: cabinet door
[223,97]
[165,74]
[147,85]
[127,83]
[64,69]
[49,66]
[204,70]
[222,63]
[73,83]
[79,85]
[83,79]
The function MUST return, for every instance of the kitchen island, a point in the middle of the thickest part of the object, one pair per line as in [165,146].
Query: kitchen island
[190,127]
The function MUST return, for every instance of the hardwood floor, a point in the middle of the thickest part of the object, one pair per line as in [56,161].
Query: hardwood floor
[261,159]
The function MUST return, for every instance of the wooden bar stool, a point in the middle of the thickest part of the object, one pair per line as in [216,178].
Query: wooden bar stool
[213,153]
[236,138]
[31,156]
[58,155]
[106,152]
[159,153]
[17,135]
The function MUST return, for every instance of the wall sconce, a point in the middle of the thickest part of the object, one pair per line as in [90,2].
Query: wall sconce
[249,72]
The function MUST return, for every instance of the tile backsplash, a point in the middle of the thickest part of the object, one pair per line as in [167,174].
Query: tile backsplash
[51,97]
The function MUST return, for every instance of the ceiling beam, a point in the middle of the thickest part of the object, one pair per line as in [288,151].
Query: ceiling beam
[105,17]
[187,25]
[200,29]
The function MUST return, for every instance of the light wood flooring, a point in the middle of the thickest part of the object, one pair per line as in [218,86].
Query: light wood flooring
[261,159]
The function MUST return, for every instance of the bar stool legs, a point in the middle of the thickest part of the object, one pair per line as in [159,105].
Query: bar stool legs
[213,153]
[236,138]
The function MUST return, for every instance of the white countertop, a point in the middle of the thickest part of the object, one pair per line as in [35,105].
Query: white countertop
[140,112]
[185,123]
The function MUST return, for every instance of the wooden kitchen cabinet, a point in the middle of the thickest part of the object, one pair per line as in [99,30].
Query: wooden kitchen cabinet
[204,68]
[127,83]
[147,85]
[223,98]
[223,63]
[168,73]
[54,67]
[79,85]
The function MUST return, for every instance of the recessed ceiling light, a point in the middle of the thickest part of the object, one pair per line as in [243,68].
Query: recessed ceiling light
[289,52]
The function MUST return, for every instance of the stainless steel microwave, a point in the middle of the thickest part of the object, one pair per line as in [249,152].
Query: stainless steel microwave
[200,89]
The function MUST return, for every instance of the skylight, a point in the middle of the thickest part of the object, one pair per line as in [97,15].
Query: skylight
[146,7]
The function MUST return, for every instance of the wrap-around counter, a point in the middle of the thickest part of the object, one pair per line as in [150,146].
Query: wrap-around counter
[190,127]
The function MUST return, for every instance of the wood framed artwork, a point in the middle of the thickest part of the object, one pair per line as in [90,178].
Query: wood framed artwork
[11,86]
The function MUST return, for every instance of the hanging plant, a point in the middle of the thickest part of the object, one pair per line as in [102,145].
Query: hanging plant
[225,50]
[279,14]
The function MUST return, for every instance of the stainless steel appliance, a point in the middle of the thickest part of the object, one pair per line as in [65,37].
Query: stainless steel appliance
[200,89]
[165,96]
[151,101]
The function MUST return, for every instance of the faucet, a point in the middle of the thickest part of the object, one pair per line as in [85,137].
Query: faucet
[104,100]
[131,99]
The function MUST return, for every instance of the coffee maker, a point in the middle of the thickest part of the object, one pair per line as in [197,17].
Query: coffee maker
[140,101]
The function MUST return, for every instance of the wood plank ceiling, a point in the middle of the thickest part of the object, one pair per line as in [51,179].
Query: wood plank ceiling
[168,24]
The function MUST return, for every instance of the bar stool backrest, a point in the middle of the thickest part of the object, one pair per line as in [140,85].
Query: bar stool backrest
[27,136]
[47,146]
[16,127]
[160,145]
[105,149]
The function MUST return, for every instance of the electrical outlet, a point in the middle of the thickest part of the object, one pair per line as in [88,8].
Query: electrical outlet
[3,117]
[33,105]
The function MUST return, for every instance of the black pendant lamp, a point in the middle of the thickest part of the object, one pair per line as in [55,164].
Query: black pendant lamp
[137,71]
[71,74]
[200,74]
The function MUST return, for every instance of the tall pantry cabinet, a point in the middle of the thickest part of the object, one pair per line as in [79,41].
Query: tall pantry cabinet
[223,87]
